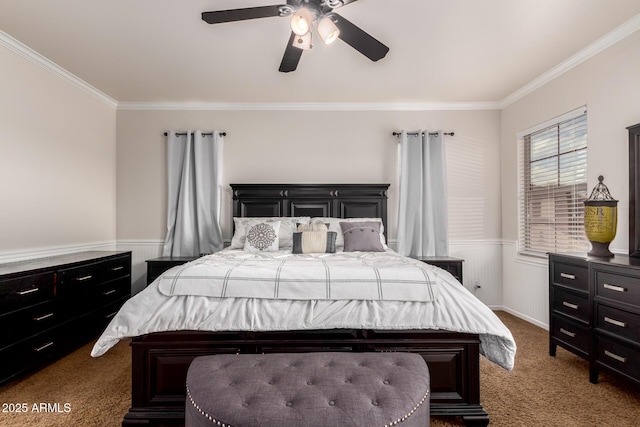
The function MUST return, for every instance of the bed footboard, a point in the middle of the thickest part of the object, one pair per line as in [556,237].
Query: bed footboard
[160,362]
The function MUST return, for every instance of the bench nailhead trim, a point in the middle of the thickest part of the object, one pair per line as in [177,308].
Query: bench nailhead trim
[221,424]
[203,413]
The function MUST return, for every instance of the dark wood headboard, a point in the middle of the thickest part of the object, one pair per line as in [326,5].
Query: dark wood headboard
[314,200]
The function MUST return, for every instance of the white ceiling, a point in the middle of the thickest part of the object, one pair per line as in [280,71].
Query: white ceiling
[441,51]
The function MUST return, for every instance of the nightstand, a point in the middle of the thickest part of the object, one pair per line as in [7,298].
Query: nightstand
[452,265]
[157,266]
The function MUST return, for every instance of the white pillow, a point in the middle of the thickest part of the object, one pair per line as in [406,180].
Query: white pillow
[287,227]
[334,225]
[262,236]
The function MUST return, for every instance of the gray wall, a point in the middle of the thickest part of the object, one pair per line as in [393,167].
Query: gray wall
[57,161]
[311,147]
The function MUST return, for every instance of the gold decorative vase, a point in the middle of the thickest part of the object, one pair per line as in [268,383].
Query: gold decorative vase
[600,219]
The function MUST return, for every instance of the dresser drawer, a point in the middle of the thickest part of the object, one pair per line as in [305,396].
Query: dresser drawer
[115,268]
[29,352]
[78,280]
[571,304]
[571,275]
[619,322]
[571,334]
[108,312]
[29,321]
[620,357]
[617,287]
[112,290]
[24,291]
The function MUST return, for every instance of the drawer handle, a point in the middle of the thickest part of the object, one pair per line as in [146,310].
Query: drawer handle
[28,291]
[568,276]
[46,316]
[83,278]
[615,288]
[107,293]
[571,334]
[615,356]
[615,322]
[44,347]
[568,304]
[117,268]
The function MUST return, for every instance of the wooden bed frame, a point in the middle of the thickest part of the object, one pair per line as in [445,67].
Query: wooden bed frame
[160,360]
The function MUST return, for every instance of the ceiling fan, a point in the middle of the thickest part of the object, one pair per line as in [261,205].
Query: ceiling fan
[304,13]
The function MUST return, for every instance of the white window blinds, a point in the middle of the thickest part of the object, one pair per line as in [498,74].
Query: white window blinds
[553,186]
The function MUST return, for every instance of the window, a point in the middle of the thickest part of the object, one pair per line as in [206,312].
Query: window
[553,185]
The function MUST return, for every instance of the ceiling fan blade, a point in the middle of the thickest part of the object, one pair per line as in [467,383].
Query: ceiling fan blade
[359,40]
[231,15]
[291,56]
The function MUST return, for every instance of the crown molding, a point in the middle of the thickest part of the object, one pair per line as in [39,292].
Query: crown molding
[26,52]
[608,40]
[307,106]
[613,37]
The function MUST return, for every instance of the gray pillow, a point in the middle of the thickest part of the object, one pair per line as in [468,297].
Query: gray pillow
[361,236]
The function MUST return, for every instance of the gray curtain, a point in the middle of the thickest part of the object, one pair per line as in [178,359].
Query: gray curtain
[422,210]
[194,170]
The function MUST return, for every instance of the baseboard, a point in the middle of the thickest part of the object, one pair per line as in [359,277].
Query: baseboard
[526,318]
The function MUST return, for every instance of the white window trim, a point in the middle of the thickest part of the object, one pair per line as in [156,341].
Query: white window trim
[521,253]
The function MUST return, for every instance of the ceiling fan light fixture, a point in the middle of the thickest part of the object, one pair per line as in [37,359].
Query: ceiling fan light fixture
[302,15]
[327,30]
[301,21]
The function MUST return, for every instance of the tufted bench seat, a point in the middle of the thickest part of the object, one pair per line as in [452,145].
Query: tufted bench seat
[308,389]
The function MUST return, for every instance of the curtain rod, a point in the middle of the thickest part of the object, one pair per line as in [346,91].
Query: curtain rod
[416,133]
[203,133]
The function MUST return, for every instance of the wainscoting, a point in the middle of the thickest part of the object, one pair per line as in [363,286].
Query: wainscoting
[482,268]
[141,251]
[525,285]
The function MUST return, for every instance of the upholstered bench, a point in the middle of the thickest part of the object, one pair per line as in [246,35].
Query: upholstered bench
[308,389]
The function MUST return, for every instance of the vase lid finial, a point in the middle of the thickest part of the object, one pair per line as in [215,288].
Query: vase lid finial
[601,192]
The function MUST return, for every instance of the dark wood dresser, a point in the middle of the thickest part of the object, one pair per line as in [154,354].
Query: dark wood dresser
[51,306]
[594,307]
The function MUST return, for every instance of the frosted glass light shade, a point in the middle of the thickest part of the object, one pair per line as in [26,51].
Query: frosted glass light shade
[327,30]
[301,21]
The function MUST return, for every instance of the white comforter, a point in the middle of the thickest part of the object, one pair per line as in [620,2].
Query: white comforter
[454,309]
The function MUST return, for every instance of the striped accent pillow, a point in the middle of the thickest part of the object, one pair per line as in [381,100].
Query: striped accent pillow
[313,238]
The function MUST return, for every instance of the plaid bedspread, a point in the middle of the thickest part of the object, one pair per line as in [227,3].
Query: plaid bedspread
[282,275]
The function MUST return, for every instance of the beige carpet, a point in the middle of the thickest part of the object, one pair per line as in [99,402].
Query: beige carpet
[540,391]
[98,391]
[551,391]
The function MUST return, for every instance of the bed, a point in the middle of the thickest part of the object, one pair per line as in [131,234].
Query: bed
[170,324]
